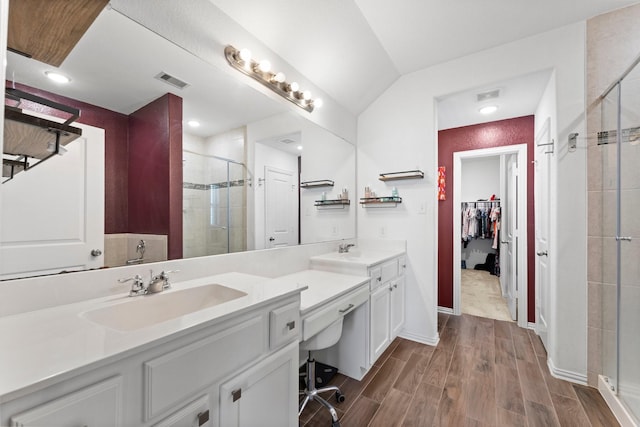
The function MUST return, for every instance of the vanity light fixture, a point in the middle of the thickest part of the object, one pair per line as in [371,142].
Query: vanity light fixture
[488,109]
[260,71]
[57,77]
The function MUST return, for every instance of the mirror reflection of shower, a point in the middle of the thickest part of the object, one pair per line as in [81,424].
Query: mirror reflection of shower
[214,205]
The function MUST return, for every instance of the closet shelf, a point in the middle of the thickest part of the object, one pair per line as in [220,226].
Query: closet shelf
[393,176]
[337,203]
[317,183]
[380,201]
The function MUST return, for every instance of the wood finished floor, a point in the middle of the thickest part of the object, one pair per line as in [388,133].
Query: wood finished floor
[483,373]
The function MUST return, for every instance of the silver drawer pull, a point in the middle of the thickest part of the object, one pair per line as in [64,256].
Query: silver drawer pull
[344,310]
[379,279]
[236,394]
[291,325]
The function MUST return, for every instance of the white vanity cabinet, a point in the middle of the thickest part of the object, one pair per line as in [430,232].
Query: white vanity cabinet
[182,380]
[386,306]
[264,395]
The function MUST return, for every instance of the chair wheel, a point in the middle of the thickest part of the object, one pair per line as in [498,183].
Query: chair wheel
[339,399]
[335,424]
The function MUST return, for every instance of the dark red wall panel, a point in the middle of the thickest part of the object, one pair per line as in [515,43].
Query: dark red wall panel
[153,150]
[495,134]
[115,127]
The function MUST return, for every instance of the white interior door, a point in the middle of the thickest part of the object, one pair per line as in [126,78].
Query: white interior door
[53,215]
[281,212]
[509,235]
[542,187]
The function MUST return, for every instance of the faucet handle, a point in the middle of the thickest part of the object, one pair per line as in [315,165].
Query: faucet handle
[165,276]
[137,288]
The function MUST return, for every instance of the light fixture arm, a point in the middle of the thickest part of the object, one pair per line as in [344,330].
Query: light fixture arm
[268,78]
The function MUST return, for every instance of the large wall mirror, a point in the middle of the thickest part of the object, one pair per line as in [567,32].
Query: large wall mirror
[110,197]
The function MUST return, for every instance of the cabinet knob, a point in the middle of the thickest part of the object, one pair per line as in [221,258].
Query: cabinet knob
[291,325]
[203,417]
[395,285]
[379,279]
[236,394]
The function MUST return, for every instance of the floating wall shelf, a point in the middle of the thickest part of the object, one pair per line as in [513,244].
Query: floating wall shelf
[391,176]
[334,203]
[318,183]
[380,201]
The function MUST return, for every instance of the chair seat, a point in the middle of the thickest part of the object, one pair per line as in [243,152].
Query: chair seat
[325,338]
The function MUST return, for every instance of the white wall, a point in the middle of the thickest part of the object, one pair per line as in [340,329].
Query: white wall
[399,131]
[480,178]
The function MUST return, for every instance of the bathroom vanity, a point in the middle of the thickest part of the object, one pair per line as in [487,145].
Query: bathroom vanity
[229,364]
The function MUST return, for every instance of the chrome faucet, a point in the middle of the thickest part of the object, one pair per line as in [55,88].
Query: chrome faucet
[157,283]
[343,248]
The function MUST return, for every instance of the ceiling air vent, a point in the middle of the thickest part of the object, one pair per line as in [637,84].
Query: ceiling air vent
[287,141]
[488,95]
[173,81]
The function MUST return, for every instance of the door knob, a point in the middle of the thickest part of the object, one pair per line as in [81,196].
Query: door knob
[271,239]
[96,252]
[506,242]
[542,253]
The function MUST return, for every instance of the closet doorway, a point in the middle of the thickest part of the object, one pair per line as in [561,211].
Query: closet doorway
[494,289]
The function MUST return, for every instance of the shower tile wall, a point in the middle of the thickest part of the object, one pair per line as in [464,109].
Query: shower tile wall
[613,41]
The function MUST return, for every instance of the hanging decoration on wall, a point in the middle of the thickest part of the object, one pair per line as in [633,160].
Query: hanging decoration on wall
[442,194]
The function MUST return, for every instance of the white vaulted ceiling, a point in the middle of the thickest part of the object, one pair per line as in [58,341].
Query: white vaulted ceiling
[354,49]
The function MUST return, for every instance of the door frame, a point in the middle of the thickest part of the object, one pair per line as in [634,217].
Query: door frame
[521,151]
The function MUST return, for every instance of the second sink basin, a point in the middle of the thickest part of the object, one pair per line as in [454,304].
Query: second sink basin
[143,311]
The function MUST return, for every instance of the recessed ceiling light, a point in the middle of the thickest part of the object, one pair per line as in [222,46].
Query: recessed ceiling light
[193,123]
[57,77]
[488,109]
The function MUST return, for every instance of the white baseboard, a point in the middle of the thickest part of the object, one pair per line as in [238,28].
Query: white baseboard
[562,374]
[445,310]
[433,341]
[531,325]
[622,415]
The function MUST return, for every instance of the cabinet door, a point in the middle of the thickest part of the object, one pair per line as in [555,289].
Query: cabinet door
[264,395]
[397,306]
[379,324]
[96,405]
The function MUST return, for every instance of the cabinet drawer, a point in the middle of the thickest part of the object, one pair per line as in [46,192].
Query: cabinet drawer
[196,413]
[376,277]
[284,324]
[389,270]
[318,321]
[175,376]
[96,405]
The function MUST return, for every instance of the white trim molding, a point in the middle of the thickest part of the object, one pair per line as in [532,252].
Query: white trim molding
[445,310]
[562,374]
[432,341]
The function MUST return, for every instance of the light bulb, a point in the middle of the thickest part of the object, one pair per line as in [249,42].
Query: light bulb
[264,66]
[57,77]
[306,95]
[279,77]
[317,103]
[294,87]
[488,109]
[245,55]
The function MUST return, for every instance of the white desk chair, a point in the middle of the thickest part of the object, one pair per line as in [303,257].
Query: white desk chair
[323,339]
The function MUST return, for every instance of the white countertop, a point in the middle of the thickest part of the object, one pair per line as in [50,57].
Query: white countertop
[322,286]
[357,257]
[48,344]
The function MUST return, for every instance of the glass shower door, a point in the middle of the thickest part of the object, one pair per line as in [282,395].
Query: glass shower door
[629,243]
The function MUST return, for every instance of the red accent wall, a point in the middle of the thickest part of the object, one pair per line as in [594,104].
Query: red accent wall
[155,171]
[115,127]
[495,134]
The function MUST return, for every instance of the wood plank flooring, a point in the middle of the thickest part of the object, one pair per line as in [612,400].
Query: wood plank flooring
[483,373]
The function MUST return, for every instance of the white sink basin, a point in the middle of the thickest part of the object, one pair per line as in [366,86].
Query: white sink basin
[143,311]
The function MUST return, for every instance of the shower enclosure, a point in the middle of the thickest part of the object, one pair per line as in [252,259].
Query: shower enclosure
[619,148]
[214,205]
